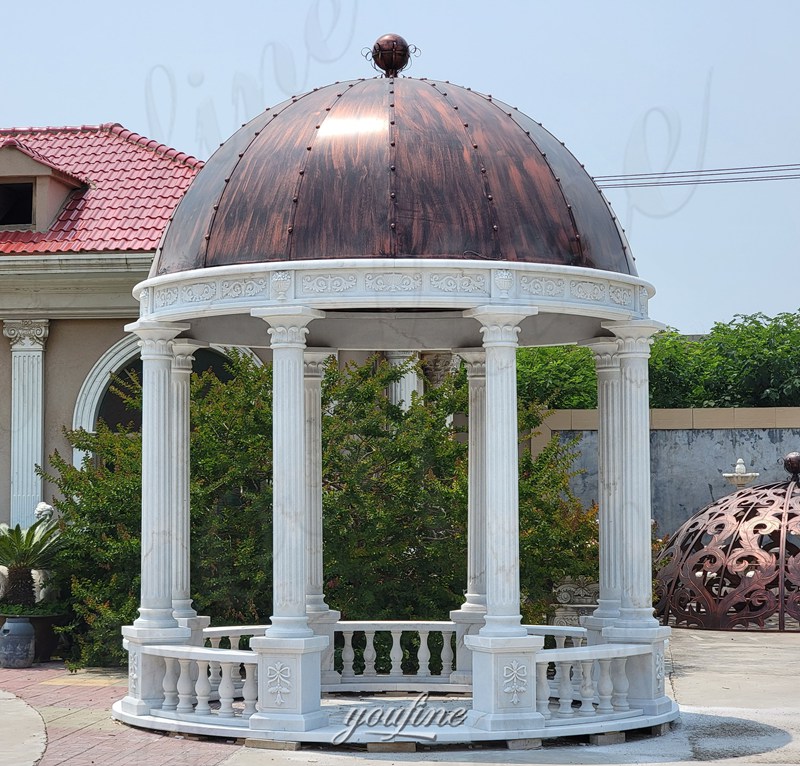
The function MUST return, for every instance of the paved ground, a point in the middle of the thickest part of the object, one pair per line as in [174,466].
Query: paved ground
[739,695]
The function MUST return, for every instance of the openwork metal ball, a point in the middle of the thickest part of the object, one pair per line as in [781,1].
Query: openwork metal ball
[792,463]
[391,54]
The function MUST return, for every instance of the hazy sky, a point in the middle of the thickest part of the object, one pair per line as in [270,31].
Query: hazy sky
[630,87]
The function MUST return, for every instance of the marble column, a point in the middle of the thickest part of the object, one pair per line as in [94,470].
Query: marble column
[500,328]
[155,623]
[609,470]
[289,649]
[182,608]
[28,338]
[636,623]
[401,392]
[287,330]
[502,649]
[321,618]
[470,617]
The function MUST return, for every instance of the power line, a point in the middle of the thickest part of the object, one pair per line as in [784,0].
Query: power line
[747,174]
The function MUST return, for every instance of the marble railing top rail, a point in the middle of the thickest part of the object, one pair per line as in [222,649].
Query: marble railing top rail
[200,653]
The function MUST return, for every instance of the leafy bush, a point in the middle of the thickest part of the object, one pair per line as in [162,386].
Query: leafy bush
[394,499]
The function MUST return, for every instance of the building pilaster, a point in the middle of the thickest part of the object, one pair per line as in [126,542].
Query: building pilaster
[28,338]
[401,392]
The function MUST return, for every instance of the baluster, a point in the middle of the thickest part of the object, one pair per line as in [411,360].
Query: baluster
[369,653]
[348,655]
[249,691]
[447,652]
[577,678]
[587,688]
[542,690]
[564,690]
[560,643]
[202,689]
[604,687]
[424,654]
[214,677]
[619,679]
[185,687]
[170,684]
[396,654]
[226,690]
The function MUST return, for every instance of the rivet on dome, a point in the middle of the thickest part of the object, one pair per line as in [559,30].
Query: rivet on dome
[466,124]
[391,143]
[302,172]
[455,106]
[391,122]
[290,229]
[391,226]
[489,197]
[483,170]
[308,148]
[392,195]
[294,199]
[391,167]
[474,146]
[391,104]
[494,228]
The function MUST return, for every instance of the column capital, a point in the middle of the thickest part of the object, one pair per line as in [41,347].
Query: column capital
[500,324]
[287,324]
[183,353]
[315,360]
[605,352]
[26,333]
[474,358]
[635,335]
[155,336]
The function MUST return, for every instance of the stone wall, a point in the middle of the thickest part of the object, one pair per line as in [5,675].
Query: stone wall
[689,451]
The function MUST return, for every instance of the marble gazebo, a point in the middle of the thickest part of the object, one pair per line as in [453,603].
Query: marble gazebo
[397,214]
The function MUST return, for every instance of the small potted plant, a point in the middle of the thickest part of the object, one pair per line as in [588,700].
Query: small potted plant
[22,551]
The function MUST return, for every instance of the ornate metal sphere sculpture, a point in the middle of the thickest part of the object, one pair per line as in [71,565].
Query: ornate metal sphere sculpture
[735,565]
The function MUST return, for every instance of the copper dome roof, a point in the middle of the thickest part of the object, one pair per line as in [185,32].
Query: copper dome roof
[392,167]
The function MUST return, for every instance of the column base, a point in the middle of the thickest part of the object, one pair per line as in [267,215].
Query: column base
[469,620]
[646,672]
[288,683]
[504,683]
[324,624]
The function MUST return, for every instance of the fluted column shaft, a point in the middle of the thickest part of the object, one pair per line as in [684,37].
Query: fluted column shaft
[475,597]
[28,338]
[314,369]
[401,392]
[287,330]
[155,609]
[636,595]
[500,328]
[181,546]
[609,469]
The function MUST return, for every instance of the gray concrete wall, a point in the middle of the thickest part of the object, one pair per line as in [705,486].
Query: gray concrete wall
[687,465]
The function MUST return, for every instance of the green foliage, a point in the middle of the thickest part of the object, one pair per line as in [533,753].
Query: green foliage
[394,497]
[676,371]
[22,550]
[100,503]
[559,377]
[558,536]
[231,493]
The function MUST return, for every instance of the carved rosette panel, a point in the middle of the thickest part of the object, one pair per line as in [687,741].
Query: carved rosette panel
[199,293]
[735,564]
[243,288]
[543,286]
[515,680]
[279,681]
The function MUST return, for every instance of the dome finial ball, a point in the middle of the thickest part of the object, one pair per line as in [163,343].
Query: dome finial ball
[391,54]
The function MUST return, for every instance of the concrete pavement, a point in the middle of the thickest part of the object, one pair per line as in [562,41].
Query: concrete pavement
[738,694]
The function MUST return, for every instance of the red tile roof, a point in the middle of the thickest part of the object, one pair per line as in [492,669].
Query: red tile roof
[130,186]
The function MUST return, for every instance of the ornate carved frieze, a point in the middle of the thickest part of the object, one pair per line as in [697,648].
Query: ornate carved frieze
[243,288]
[543,286]
[200,292]
[586,290]
[458,282]
[165,296]
[393,282]
[321,284]
[26,333]
[622,296]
